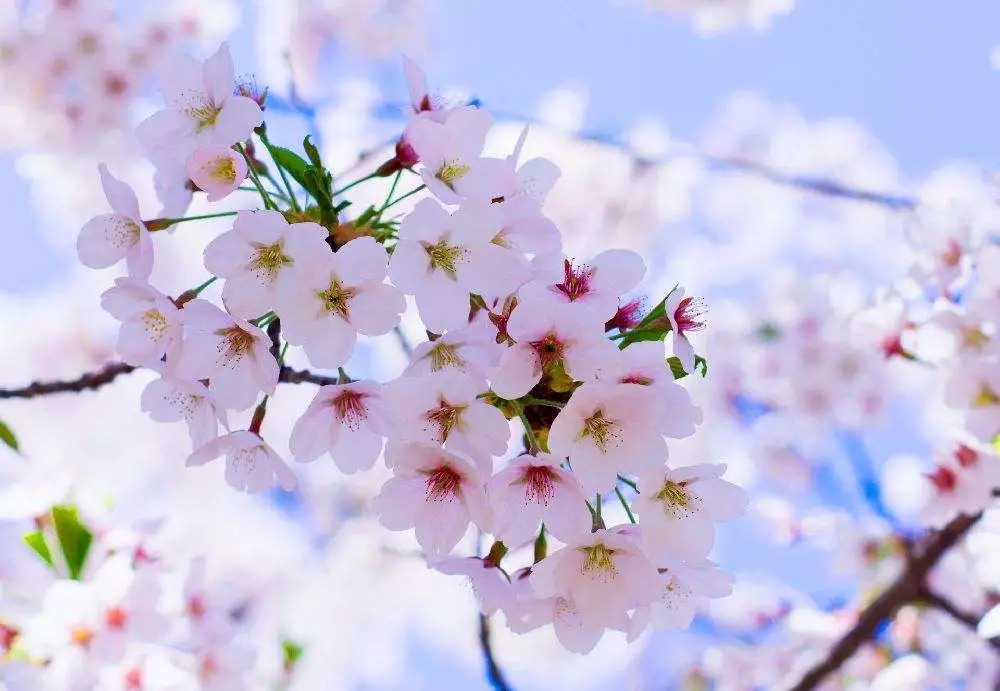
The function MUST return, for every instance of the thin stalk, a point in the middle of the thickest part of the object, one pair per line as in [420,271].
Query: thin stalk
[628,511]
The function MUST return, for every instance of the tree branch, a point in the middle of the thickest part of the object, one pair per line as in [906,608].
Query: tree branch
[907,588]
[88,381]
[304,376]
[493,672]
[933,599]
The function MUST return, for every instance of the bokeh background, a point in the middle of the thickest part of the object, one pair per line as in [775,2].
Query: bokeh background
[781,159]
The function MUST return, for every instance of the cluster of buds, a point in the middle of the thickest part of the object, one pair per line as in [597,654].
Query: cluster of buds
[518,334]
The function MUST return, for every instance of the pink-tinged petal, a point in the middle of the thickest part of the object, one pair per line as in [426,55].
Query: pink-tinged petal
[426,222]
[203,425]
[249,470]
[683,417]
[616,272]
[570,629]
[265,374]
[179,77]
[409,267]
[227,254]
[722,500]
[331,343]
[489,179]
[126,298]
[236,120]
[120,196]
[139,258]
[416,82]
[684,352]
[159,400]
[218,74]
[217,170]
[467,130]
[596,472]
[536,178]
[429,139]
[313,434]
[517,373]
[106,240]
[264,226]
[376,311]
[442,304]
[209,451]
[247,296]
[141,340]
[286,478]
[498,271]
[360,260]
[233,388]
[537,235]
[203,315]
[440,524]
[399,501]
[160,132]
[305,240]
[440,190]
[356,449]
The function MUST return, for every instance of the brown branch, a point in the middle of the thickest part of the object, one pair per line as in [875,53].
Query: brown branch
[493,671]
[88,381]
[933,599]
[111,371]
[907,588]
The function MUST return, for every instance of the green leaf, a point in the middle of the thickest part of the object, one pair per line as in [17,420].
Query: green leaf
[7,436]
[74,538]
[677,369]
[291,653]
[312,152]
[292,163]
[36,541]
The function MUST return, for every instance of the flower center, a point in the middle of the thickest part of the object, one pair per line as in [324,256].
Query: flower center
[337,299]
[548,349]
[7,637]
[539,484]
[133,679]
[445,257]
[599,562]
[688,314]
[81,636]
[222,171]
[675,499]
[155,323]
[204,115]
[599,428]
[943,479]
[350,408]
[116,618]
[442,483]
[444,355]
[445,418]
[269,259]
[985,398]
[450,171]
[966,457]
[196,607]
[122,231]
[244,461]
[576,281]
[235,344]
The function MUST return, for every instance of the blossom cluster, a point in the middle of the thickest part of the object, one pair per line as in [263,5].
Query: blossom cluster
[515,330]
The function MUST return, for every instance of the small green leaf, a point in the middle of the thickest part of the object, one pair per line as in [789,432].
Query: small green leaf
[7,436]
[292,652]
[74,538]
[677,369]
[291,162]
[312,152]
[36,541]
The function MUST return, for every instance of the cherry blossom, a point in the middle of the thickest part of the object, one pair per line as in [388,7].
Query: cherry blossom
[596,285]
[251,465]
[449,150]
[169,399]
[107,239]
[345,420]
[533,489]
[434,491]
[233,354]
[683,588]
[259,252]
[330,298]
[684,315]
[151,324]
[217,170]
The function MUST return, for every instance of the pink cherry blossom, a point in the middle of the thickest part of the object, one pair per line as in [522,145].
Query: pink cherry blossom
[604,574]
[596,285]
[606,429]
[683,589]
[169,399]
[684,315]
[489,584]
[975,389]
[434,491]
[448,150]
[344,420]
[471,350]
[331,297]
[443,408]
[233,354]
[260,251]
[442,258]
[678,509]
[535,489]
[251,465]
[109,238]
[151,324]
[548,334]
[963,483]
[218,170]
[201,109]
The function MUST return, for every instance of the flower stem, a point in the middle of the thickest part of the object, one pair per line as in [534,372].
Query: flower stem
[392,190]
[630,483]
[408,194]
[281,172]
[355,183]
[189,295]
[628,511]
[268,202]
[533,445]
[531,400]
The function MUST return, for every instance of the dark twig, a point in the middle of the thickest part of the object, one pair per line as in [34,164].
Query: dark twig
[304,376]
[493,672]
[939,602]
[905,589]
[89,381]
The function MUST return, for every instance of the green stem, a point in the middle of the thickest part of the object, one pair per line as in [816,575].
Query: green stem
[531,400]
[408,194]
[625,506]
[268,203]
[281,172]
[392,191]
[355,183]
[263,319]
[533,445]
[628,482]
[281,355]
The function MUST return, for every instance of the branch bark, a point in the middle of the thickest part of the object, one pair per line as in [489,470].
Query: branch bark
[907,588]
[493,671]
